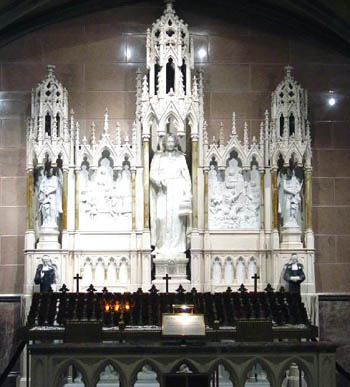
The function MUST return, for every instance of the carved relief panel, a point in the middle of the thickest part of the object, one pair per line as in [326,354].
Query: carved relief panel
[105,196]
[233,196]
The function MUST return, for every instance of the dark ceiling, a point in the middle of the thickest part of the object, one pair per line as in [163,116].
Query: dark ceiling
[325,20]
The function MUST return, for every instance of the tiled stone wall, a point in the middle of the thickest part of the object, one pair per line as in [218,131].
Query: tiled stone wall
[97,57]
[334,325]
[10,320]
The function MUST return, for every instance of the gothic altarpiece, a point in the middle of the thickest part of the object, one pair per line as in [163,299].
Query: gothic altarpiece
[109,208]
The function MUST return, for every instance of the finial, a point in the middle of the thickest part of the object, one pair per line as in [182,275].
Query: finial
[77,132]
[221,134]
[261,132]
[289,70]
[245,134]
[91,289]
[117,134]
[308,131]
[64,289]
[93,133]
[266,124]
[205,133]
[145,86]
[169,4]
[51,70]
[269,288]
[234,131]
[153,289]
[180,290]
[134,133]
[195,87]
[242,289]
[106,124]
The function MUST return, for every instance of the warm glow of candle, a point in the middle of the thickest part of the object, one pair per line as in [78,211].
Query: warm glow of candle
[116,307]
[127,307]
[107,308]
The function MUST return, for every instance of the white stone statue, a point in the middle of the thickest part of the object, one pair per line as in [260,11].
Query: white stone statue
[123,272]
[290,200]
[217,274]
[228,272]
[233,176]
[50,198]
[125,188]
[84,179]
[170,199]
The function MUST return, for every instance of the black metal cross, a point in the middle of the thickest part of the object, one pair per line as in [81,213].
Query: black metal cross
[167,278]
[77,278]
[255,278]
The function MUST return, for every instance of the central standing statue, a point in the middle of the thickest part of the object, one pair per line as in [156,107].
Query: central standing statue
[170,199]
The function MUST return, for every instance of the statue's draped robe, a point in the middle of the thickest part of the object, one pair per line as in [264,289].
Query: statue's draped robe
[290,199]
[50,199]
[168,228]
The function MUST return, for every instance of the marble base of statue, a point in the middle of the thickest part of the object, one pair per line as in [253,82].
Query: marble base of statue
[291,238]
[175,266]
[48,239]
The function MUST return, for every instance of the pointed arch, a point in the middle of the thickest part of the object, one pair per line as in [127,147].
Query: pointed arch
[277,155]
[187,362]
[150,118]
[46,154]
[254,156]
[64,366]
[230,154]
[214,155]
[264,365]
[139,367]
[228,367]
[170,71]
[101,367]
[302,365]
[294,154]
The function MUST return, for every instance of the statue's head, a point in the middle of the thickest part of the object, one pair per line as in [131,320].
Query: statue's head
[45,260]
[170,142]
[233,163]
[294,258]
[49,172]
